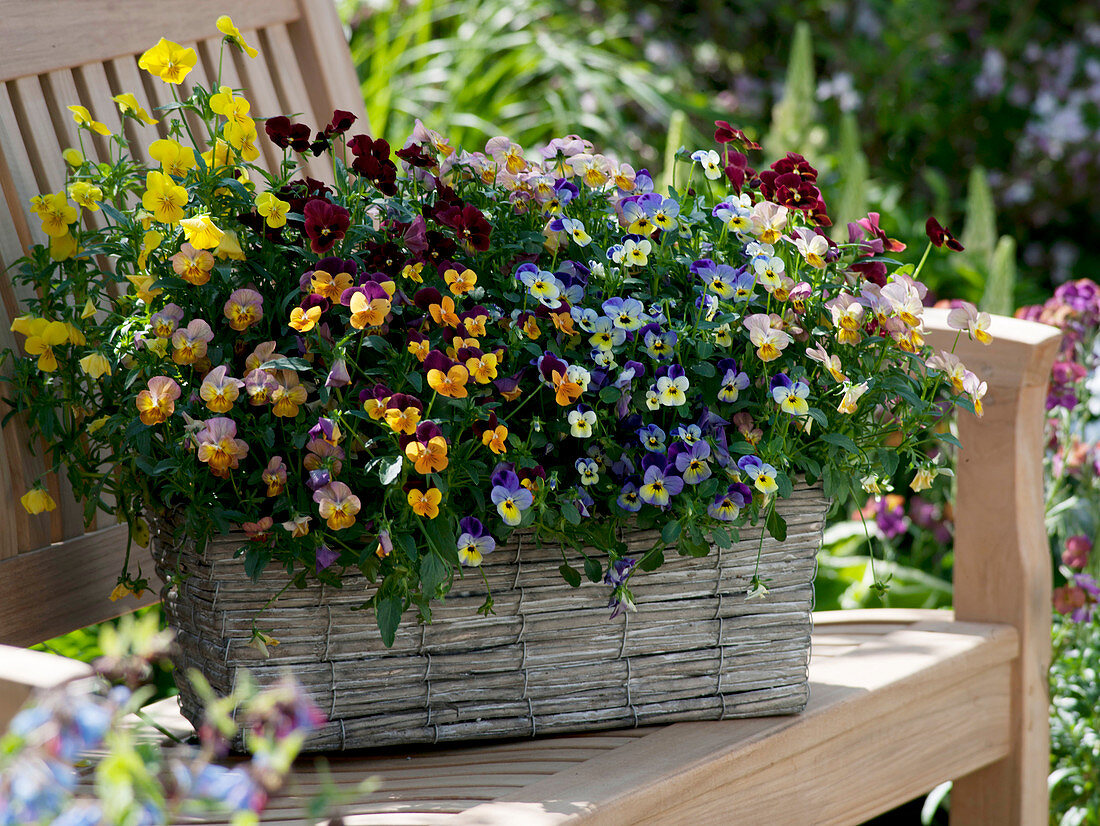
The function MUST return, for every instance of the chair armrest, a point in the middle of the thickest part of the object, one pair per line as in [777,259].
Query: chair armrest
[1002,557]
[22,671]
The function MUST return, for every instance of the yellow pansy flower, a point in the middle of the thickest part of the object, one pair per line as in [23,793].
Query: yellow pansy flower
[143,287]
[95,365]
[63,248]
[128,105]
[233,35]
[86,194]
[169,61]
[149,242]
[83,118]
[73,157]
[230,246]
[56,213]
[175,158]
[273,210]
[221,154]
[201,233]
[37,500]
[164,198]
[42,337]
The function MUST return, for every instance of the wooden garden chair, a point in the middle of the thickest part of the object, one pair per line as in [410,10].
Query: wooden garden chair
[900,700]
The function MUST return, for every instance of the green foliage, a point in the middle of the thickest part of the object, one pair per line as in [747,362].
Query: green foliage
[979,234]
[1000,286]
[796,112]
[480,68]
[1074,724]
[853,171]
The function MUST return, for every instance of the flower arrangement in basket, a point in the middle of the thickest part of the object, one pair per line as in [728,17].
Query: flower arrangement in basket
[395,370]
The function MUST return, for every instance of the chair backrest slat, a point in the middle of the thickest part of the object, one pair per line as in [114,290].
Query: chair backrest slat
[39,37]
[55,575]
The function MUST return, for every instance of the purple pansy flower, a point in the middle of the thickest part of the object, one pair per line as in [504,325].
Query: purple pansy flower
[658,487]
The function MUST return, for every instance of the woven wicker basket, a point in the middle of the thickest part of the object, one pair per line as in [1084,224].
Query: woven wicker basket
[548,661]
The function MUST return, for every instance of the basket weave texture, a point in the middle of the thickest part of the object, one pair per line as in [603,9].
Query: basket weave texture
[549,661]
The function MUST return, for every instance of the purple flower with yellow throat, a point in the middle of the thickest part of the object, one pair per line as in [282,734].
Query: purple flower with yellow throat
[474,541]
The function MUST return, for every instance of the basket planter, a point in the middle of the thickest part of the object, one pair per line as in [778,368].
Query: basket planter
[549,661]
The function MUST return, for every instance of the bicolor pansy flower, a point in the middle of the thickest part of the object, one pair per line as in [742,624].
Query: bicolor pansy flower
[733,381]
[672,386]
[652,438]
[658,487]
[760,472]
[474,542]
[626,313]
[628,498]
[768,340]
[711,162]
[581,421]
[510,496]
[790,395]
[588,470]
[693,465]
[726,506]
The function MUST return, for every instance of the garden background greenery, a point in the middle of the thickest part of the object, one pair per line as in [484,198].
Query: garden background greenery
[985,114]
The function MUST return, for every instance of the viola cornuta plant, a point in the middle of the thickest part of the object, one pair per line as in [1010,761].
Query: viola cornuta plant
[396,369]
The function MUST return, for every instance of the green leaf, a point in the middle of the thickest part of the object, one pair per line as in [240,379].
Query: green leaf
[387,611]
[389,468]
[407,544]
[670,532]
[704,368]
[287,363]
[593,569]
[653,560]
[842,441]
[570,513]
[776,526]
[255,560]
[433,573]
[610,395]
[570,575]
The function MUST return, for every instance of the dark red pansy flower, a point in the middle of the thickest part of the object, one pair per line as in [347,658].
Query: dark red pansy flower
[416,155]
[427,296]
[287,135]
[738,169]
[724,133]
[325,224]
[941,236]
[341,122]
[470,225]
[372,161]
[440,247]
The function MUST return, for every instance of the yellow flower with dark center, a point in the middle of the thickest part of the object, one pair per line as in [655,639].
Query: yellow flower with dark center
[56,213]
[86,195]
[164,198]
[169,61]
[174,158]
[233,35]
[274,213]
[42,336]
[193,265]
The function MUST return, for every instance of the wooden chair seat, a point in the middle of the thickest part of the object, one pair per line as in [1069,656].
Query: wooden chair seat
[938,689]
